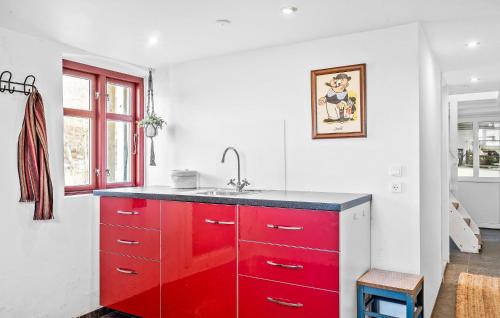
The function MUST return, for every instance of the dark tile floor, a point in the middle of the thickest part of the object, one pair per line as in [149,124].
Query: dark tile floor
[117,314]
[486,263]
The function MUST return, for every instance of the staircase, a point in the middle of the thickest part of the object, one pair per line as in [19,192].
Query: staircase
[463,230]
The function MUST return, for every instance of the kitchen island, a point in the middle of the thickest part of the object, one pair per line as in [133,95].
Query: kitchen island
[199,253]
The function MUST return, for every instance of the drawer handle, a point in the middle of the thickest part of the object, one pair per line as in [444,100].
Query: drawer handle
[282,227]
[127,242]
[284,265]
[219,222]
[284,303]
[127,212]
[126,271]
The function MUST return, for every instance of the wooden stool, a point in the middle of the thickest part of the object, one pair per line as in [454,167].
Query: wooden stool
[385,285]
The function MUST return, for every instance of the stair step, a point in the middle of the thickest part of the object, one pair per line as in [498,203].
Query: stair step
[479,239]
[467,220]
[456,205]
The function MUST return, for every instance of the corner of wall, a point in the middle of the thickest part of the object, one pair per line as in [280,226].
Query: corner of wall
[430,165]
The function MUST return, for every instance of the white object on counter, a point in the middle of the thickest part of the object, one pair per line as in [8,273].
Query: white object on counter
[184,179]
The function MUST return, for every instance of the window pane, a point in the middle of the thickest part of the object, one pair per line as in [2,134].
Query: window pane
[119,152]
[465,150]
[76,151]
[76,92]
[118,99]
[489,148]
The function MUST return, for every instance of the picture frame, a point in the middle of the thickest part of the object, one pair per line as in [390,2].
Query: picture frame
[338,102]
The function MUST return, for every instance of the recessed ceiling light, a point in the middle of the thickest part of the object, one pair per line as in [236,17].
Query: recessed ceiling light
[153,40]
[472,44]
[474,79]
[289,10]
[222,22]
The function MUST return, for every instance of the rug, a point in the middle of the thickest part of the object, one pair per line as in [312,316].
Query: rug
[478,296]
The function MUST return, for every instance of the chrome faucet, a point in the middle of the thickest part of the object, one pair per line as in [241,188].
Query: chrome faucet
[241,183]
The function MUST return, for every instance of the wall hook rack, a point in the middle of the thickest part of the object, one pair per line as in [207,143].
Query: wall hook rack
[6,84]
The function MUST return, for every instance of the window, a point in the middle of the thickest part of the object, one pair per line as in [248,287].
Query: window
[102,145]
[479,149]
[489,148]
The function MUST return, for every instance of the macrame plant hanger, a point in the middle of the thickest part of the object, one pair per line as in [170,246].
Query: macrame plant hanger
[151,131]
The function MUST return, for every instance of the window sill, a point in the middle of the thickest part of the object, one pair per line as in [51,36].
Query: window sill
[89,192]
[478,179]
[78,193]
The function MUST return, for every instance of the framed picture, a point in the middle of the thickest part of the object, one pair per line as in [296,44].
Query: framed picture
[338,102]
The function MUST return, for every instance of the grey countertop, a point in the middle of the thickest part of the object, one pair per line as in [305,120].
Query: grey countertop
[327,201]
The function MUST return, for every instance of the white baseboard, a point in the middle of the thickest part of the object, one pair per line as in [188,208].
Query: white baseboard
[489,226]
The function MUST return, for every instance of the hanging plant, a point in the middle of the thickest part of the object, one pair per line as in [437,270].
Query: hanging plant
[152,122]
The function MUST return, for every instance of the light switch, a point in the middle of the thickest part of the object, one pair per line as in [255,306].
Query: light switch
[396,171]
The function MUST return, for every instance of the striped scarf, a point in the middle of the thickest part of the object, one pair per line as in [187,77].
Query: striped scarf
[33,159]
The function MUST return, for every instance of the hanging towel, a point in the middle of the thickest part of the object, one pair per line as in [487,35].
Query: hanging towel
[33,159]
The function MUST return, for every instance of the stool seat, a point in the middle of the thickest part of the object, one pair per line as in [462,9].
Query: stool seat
[378,287]
[395,281]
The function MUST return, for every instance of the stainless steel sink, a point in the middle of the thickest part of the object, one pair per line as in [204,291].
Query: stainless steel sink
[224,192]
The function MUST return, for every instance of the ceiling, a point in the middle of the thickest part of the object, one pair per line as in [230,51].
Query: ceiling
[185,29]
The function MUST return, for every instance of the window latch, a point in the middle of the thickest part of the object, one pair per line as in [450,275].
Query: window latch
[97,172]
[97,95]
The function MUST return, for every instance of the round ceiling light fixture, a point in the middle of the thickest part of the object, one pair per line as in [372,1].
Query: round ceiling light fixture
[222,22]
[472,44]
[288,10]
[474,79]
[153,40]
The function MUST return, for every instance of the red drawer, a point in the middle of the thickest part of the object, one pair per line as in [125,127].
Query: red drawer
[313,229]
[291,265]
[130,212]
[130,285]
[130,241]
[264,299]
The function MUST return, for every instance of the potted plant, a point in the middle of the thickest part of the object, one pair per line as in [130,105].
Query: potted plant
[151,124]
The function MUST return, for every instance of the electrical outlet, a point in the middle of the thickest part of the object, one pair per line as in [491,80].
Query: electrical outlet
[396,187]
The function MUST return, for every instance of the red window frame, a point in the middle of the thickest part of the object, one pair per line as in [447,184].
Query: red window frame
[99,116]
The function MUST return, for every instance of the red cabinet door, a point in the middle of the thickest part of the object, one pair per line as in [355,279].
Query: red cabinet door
[199,260]
[266,299]
[299,266]
[292,227]
[130,212]
[130,285]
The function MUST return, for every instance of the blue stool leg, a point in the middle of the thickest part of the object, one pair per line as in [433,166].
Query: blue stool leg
[410,306]
[361,302]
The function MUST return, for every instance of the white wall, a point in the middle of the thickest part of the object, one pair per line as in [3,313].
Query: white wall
[431,165]
[48,268]
[482,201]
[447,161]
[273,84]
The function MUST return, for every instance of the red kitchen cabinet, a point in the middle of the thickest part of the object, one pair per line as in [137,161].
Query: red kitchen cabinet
[299,266]
[311,229]
[131,212]
[199,253]
[265,299]
[130,285]
[130,241]
[169,259]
